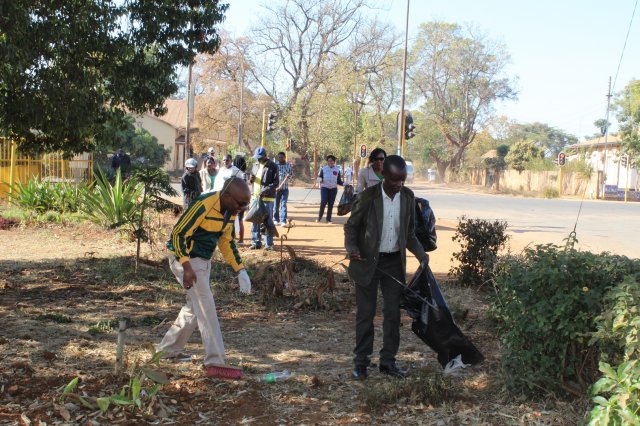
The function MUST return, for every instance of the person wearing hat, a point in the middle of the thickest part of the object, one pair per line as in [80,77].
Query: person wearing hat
[329,179]
[191,183]
[264,177]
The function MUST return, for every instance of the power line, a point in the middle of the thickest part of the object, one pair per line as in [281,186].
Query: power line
[625,44]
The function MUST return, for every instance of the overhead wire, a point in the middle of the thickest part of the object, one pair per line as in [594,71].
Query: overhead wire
[572,234]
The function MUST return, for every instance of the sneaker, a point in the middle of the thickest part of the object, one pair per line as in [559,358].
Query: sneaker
[255,246]
[317,220]
[359,372]
[276,223]
[268,248]
[328,221]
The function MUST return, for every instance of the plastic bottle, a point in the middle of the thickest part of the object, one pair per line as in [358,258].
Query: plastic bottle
[276,376]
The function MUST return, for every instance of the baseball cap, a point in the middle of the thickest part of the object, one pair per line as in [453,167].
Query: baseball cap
[260,152]
[191,163]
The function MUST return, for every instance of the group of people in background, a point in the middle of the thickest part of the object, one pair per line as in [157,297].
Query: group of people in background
[377,235]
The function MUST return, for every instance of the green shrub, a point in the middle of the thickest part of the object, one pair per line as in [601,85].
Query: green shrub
[39,196]
[622,386]
[480,242]
[550,192]
[617,393]
[546,302]
[112,205]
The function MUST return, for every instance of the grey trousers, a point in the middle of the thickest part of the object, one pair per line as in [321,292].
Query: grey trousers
[199,311]
[366,297]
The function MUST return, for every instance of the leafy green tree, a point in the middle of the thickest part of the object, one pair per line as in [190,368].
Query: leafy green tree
[521,153]
[550,139]
[460,75]
[628,113]
[69,68]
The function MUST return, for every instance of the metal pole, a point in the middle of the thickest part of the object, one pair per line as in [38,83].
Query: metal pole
[606,134]
[187,137]
[404,79]
[264,126]
[355,139]
[12,167]
[240,128]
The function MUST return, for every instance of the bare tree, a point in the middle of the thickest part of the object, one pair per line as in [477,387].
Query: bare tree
[459,74]
[296,44]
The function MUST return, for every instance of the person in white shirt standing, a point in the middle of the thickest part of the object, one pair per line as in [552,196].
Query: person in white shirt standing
[378,233]
[227,171]
[329,179]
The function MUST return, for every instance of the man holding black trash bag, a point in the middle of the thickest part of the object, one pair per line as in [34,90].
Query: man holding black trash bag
[377,235]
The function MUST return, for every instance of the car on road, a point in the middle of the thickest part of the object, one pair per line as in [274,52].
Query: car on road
[410,172]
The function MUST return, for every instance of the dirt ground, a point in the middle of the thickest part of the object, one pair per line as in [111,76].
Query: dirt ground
[58,284]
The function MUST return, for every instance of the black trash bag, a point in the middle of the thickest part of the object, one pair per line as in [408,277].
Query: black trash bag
[436,327]
[425,225]
[257,212]
[346,201]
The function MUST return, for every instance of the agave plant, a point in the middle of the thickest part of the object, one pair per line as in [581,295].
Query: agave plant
[35,195]
[114,205]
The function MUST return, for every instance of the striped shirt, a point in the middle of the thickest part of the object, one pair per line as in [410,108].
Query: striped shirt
[201,228]
[284,170]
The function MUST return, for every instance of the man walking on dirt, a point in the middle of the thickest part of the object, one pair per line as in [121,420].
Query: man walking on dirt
[207,223]
[264,177]
[377,235]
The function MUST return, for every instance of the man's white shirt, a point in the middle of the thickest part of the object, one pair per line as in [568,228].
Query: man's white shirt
[390,223]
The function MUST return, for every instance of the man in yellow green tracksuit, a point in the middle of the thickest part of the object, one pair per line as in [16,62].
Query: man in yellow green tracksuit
[205,225]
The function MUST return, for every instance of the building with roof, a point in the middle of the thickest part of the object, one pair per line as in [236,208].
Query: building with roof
[615,173]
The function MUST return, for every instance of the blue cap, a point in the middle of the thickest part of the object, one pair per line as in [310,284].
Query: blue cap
[260,152]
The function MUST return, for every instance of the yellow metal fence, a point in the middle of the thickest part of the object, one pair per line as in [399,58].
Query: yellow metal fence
[17,167]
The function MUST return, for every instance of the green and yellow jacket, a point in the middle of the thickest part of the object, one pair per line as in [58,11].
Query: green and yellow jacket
[201,228]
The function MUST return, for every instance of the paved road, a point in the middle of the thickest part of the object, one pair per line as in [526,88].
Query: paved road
[601,226]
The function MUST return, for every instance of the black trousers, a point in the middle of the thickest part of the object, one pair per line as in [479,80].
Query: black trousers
[327,196]
[366,297]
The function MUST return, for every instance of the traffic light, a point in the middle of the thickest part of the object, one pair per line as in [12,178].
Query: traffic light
[271,122]
[289,145]
[409,127]
[562,158]
[363,151]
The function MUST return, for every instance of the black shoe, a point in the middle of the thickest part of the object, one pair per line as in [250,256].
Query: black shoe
[359,372]
[393,371]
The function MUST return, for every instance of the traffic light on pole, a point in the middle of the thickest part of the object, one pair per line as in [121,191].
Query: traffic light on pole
[409,127]
[562,158]
[271,122]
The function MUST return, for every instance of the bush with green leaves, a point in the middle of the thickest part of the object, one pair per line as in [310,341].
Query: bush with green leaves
[39,196]
[546,302]
[114,205]
[480,241]
[617,393]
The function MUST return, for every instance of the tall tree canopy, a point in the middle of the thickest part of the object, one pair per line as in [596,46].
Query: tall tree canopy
[68,68]
[628,107]
[459,74]
[549,139]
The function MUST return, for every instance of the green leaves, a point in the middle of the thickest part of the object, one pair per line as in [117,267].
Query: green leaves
[548,303]
[70,67]
[112,205]
[480,241]
[617,395]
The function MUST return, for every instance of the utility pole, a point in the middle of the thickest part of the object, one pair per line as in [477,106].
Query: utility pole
[187,136]
[240,125]
[606,134]
[404,79]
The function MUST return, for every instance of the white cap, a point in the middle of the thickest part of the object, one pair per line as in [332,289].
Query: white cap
[210,150]
[191,162]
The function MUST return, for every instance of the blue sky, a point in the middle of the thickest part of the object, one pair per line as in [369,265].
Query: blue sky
[563,52]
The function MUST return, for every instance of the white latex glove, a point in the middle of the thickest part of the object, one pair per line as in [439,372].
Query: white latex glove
[245,281]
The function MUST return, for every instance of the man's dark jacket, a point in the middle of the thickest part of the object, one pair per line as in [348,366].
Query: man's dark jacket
[363,230]
[269,179]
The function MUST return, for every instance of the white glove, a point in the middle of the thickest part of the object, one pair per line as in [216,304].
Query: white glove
[245,282]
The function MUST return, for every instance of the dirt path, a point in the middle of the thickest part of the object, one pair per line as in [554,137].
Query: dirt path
[59,284]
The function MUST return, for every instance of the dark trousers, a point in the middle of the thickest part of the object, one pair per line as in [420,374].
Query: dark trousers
[366,296]
[327,196]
